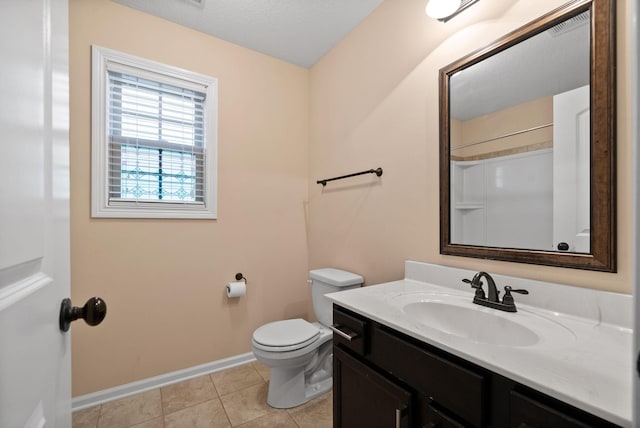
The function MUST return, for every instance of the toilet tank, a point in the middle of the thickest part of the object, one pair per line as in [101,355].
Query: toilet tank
[329,280]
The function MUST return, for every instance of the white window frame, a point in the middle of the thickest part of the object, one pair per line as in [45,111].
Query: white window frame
[100,204]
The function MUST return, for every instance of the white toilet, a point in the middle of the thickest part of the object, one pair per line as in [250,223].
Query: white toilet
[298,352]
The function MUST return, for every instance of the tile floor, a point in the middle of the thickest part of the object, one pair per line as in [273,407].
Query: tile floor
[236,397]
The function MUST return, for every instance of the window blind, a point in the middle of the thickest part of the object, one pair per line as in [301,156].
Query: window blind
[156,141]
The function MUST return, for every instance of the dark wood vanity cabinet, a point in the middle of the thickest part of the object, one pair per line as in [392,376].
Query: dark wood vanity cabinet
[367,398]
[383,378]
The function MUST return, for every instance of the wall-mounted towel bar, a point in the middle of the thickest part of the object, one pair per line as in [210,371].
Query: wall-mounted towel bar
[377,172]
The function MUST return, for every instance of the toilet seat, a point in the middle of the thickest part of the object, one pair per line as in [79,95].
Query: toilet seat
[287,335]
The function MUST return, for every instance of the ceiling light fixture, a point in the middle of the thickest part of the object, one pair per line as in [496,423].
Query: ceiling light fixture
[444,10]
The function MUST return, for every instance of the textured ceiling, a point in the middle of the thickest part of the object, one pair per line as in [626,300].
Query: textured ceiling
[550,63]
[296,31]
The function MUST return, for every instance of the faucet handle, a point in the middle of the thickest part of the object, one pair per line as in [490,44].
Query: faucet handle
[472,284]
[508,290]
[477,286]
[507,299]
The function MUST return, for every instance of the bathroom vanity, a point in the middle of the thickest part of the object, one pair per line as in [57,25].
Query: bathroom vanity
[416,354]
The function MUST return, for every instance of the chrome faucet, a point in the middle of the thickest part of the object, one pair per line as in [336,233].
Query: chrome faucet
[492,300]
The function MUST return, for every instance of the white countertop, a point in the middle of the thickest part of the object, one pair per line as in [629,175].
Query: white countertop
[592,371]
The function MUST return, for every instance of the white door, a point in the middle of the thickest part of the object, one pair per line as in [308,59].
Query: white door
[571,171]
[34,213]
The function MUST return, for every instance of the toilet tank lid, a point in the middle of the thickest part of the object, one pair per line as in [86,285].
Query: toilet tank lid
[337,277]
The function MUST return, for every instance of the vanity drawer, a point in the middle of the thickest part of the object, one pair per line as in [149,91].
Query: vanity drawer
[349,330]
[453,387]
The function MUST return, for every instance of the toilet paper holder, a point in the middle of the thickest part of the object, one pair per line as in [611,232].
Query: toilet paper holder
[238,288]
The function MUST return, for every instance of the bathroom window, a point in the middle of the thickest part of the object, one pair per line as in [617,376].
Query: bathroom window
[154,139]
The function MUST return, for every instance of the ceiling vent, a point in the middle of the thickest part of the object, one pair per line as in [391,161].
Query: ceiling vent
[570,24]
[197,3]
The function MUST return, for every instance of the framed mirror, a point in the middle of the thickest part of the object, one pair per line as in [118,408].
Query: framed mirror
[527,143]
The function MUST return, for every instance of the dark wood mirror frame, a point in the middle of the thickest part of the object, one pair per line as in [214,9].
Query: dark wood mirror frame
[603,143]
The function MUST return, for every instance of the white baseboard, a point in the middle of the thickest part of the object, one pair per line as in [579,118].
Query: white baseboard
[106,395]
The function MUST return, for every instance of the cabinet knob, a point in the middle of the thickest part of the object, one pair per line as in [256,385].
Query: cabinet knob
[563,246]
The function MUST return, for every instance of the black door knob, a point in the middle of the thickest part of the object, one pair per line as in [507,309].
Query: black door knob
[93,312]
[563,246]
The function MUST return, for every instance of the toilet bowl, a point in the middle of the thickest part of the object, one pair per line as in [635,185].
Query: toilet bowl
[299,352]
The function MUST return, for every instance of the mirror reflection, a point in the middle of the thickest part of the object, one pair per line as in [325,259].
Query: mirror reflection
[520,142]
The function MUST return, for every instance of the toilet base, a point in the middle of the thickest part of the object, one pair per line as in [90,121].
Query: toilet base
[287,388]
[299,376]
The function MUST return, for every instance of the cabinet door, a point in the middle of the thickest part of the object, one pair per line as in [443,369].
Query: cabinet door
[436,418]
[364,398]
[458,389]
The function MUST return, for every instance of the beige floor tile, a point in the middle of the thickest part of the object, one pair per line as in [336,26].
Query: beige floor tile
[154,423]
[263,369]
[317,413]
[86,418]
[278,418]
[246,405]
[205,415]
[236,379]
[186,394]
[131,410]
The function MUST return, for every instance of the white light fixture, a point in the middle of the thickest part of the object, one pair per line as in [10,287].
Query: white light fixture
[440,9]
[443,10]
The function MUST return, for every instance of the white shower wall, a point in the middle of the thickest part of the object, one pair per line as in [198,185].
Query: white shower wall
[505,201]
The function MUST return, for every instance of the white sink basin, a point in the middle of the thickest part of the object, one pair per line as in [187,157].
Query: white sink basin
[457,316]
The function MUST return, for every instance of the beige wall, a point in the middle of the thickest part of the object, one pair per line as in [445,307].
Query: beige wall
[374,102]
[491,135]
[163,280]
